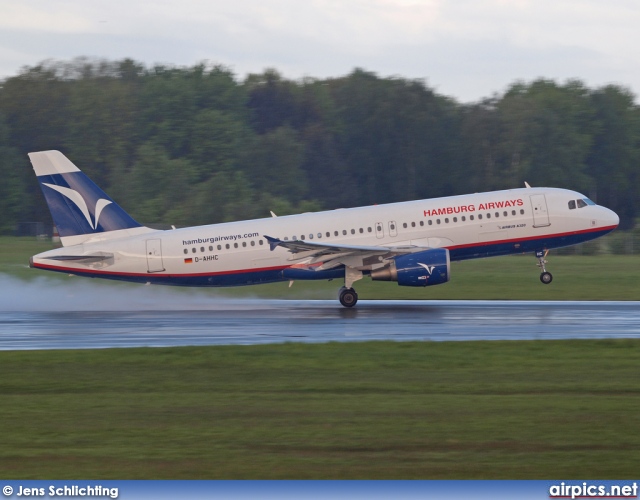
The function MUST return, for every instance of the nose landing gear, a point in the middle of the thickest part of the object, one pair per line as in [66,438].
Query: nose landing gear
[545,277]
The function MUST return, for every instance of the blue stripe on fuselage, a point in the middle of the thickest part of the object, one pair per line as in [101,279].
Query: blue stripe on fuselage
[529,245]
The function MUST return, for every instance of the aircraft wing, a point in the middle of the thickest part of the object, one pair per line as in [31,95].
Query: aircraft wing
[334,255]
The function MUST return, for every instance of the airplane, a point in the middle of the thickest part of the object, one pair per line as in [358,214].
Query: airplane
[412,243]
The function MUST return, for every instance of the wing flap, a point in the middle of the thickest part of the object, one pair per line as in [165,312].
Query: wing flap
[330,256]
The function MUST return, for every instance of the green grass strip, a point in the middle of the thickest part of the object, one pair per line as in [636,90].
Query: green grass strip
[526,409]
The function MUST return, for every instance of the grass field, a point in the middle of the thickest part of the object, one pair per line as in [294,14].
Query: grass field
[576,277]
[531,409]
[454,410]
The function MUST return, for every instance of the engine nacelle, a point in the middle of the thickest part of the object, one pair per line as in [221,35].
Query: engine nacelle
[431,267]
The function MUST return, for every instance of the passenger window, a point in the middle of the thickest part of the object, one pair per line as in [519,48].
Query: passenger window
[328,234]
[581,204]
[488,216]
[421,223]
[186,251]
[379,228]
[286,238]
[497,214]
[361,230]
[344,232]
[513,212]
[479,216]
[261,242]
[219,247]
[521,211]
[210,248]
[319,235]
[455,219]
[471,217]
[353,231]
[302,236]
[572,205]
[253,243]
[446,220]
[413,224]
[463,218]
[437,221]
[244,244]
[404,225]
[505,213]
[430,222]
[369,230]
[227,246]
[335,233]
[193,250]
[235,245]
[311,236]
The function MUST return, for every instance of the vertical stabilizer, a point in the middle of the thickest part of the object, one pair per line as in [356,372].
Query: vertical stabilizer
[81,210]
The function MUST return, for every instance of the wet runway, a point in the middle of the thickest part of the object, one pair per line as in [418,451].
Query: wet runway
[258,321]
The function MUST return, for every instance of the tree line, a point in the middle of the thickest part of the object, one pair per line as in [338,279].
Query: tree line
[197,145]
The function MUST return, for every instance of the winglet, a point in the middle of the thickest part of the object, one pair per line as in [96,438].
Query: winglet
[273,242]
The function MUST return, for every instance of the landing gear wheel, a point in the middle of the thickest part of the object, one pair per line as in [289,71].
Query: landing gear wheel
[546,277]
[348,297]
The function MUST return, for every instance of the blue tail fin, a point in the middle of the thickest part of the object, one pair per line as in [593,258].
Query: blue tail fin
[80,209]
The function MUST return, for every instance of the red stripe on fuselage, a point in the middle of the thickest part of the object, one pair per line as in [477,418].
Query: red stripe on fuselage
[73,270]
[531,238]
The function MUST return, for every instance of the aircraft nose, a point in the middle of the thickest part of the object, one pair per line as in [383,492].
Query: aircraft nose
[610,218]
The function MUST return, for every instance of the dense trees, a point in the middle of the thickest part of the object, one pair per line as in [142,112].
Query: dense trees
[196,145]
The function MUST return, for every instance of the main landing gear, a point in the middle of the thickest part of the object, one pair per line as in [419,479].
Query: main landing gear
[348,296]
[546,277]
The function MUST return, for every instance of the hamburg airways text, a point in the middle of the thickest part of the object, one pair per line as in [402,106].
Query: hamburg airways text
[215,239]
[472,208]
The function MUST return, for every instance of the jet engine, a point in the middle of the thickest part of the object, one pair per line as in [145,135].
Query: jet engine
[431,267]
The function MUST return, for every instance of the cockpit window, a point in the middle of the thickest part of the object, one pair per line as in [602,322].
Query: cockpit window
[572,205]
[581,203]
[588,201]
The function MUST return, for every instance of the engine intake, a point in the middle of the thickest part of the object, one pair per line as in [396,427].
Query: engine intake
[431,267]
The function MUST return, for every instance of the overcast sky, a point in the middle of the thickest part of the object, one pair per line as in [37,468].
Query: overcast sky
[462,48]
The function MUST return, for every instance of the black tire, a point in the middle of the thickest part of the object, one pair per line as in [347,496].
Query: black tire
[348,297]
[546,278]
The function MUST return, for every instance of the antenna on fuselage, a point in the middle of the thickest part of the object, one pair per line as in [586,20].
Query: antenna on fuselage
[526,184]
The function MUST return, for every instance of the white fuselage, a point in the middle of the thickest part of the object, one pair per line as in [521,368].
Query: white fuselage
[236,253]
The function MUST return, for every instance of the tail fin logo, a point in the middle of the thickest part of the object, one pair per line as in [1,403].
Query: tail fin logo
[79,202]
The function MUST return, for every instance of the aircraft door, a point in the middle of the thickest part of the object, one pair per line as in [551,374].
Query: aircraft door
[393,229]
[154,256]
[379,230]
[540,211]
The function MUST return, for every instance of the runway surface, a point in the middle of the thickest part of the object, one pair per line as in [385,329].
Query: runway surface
[257,321]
